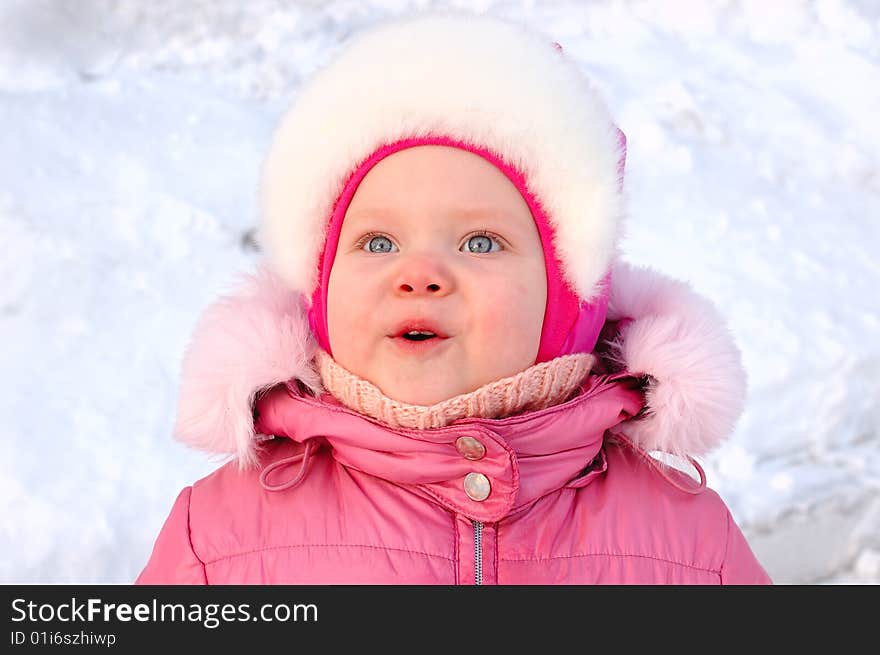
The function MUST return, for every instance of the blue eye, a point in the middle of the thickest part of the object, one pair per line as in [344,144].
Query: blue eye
[480,243]
[379,244]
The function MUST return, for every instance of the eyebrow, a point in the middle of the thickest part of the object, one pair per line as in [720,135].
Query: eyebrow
[465,213]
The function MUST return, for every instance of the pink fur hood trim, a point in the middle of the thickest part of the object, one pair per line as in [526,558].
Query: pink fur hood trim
[258,336]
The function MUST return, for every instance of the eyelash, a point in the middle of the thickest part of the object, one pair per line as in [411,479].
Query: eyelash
[484,233]
[364,240]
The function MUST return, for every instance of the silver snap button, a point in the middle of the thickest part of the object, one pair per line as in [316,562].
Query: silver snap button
[476,486]
[470,448]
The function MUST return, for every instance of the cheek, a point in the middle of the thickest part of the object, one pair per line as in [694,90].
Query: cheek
[514,307]
[342,307]
[353,323]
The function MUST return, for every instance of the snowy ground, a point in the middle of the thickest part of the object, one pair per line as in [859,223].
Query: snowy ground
[132,137]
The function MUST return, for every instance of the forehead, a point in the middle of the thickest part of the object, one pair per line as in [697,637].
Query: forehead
[440,181]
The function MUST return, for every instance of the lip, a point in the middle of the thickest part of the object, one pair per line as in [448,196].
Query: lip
[419,325]
[425,347]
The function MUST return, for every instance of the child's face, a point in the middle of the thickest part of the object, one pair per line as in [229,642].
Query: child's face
[436,238]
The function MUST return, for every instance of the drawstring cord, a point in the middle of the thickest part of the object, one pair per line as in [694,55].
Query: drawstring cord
[660,467]
[305,457]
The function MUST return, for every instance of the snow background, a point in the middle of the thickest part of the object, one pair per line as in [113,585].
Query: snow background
[133,133]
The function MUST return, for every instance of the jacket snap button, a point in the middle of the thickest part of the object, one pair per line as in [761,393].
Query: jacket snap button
[476,486]
[470,448]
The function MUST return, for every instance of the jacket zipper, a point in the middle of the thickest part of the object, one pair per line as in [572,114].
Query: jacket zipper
[478,552]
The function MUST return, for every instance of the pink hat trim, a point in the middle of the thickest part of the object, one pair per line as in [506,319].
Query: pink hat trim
[569,326]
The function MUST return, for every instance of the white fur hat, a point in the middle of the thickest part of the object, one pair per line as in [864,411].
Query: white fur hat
[476,79]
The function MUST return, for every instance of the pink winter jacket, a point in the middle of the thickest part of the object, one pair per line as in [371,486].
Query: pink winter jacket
[339,498]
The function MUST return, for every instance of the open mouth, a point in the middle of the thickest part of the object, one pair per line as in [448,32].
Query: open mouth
[418,335]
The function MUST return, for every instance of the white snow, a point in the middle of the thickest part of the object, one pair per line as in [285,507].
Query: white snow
[133,136]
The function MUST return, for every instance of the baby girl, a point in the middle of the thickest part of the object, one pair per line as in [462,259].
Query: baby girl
[443,373]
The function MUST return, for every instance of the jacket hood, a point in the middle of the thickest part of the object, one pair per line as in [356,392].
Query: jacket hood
[659,329]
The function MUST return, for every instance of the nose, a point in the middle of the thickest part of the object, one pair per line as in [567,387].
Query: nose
[423,276]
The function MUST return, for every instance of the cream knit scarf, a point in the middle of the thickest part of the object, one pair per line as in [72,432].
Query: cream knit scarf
[539,386]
